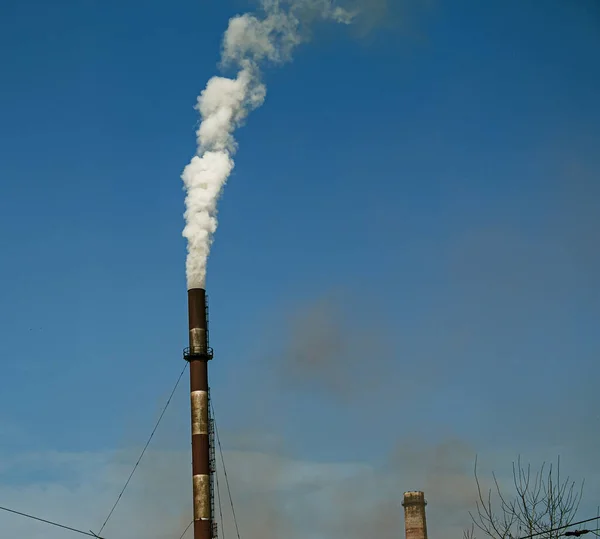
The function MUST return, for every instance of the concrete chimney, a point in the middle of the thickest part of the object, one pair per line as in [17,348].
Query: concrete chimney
[415,524]
[199,354]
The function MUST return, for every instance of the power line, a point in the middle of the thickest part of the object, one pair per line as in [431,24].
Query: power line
[578,533]
[559,528]
[185,531]
[219,502]
[144,450]
[225,472]
[90,533]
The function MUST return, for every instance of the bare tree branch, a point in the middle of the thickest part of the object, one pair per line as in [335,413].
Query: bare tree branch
[539,504]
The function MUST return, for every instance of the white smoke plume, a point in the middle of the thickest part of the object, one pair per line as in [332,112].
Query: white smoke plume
[225,103]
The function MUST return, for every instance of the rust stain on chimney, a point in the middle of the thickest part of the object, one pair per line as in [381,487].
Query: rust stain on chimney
[415,524]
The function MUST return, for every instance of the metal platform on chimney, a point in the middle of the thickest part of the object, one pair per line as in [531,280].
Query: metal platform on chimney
[191,355]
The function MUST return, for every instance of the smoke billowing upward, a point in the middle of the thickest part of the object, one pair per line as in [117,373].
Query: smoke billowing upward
[225,103]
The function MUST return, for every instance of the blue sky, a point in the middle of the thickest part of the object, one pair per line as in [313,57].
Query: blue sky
[438,179]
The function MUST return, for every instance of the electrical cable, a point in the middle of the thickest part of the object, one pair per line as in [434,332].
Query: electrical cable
[219,502]
[578,533]
[185,531]
[144,450]
[225,472]
[559,528]
[90,533]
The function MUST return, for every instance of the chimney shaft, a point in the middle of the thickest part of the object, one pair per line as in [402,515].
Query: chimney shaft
[415,524]
[198,354]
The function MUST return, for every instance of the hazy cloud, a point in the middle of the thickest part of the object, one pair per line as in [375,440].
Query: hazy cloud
[275,497]
[334,343]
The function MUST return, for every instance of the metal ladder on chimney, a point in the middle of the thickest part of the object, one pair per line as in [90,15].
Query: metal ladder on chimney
[212,468]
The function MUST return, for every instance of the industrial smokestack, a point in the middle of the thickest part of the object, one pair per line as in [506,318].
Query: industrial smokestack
[198,354]
[415,524]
